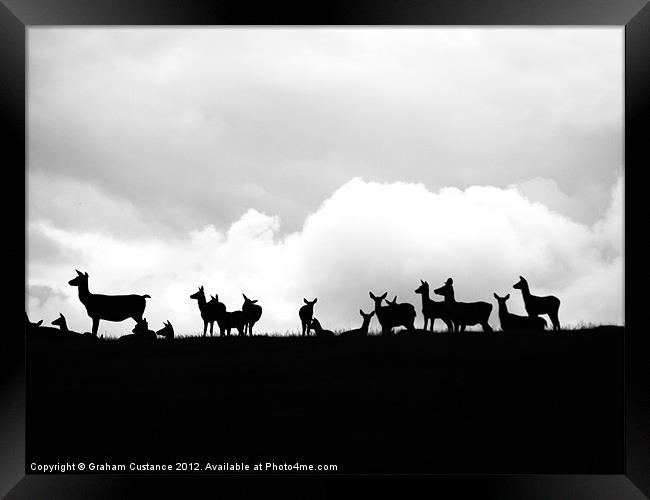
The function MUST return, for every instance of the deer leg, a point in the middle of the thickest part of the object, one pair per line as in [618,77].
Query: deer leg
[431,325]
[95,326]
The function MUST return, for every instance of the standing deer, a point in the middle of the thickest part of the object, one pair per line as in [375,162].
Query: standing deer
[511,321]
[306,313]
[391,316]
[207,313]
[108,307]
[535,306]
[363,330]
[431,310]
[464,313]
[252,313]
[227,320]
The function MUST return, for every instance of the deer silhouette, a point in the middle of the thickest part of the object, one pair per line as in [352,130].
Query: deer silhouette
[63,326]
[464,313]
[535,306]
[511,321]
[432,310]
[36,329]
[108,307]
[394,314]
[227,320]
[252,313]
[363,330]
[208,314]
[318,329]
[141,330]
[166,331]
[306,313]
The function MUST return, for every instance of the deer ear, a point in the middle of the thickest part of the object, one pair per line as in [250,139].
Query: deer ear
[521,277]
[254,301]
[244,295]
[496,296]
[371,295]
[315,300]
[39,323]
[86,275]
[305,300]
[422,282]
[507,297]
[79,272]
[384,295]
[362,313]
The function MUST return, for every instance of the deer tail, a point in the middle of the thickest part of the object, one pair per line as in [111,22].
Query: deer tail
[147,296]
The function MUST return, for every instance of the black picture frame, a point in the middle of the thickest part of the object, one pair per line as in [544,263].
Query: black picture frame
[634,15]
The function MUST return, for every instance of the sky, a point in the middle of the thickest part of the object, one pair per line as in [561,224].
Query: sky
[291,163]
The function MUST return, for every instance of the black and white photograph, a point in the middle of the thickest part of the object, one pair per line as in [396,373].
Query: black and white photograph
[325,250]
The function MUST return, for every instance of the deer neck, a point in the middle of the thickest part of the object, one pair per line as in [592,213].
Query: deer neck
[64,327]
[525,292]
[425,298]
[84,293]
[503,311]
[365,325]
[202,302]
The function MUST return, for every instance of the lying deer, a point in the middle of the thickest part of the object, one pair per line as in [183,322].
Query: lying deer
[511,321]
[363,330]
[318,329]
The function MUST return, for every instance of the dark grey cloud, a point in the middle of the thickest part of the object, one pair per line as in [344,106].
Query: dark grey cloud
[194,126]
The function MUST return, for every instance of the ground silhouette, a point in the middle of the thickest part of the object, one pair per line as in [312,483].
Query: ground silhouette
[535,306]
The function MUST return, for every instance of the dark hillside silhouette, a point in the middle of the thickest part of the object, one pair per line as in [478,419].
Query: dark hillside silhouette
[432,310]
[510,322]
[252,313]
[306,313]
[535,306]
[503,404]
[465,313]
[108,307]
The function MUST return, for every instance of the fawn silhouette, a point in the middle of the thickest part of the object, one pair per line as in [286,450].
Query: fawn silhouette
[208,312]
[318,329]
[63,326]
[252,313]
[394,314]
[363,330]
[306,313]
[37,330]
[511,321]
[227,320]
[535,306]
[432,310]
[141,333]
[108,307]
[464,313]
[166,331]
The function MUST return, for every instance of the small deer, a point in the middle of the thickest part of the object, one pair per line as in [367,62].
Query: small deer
[108,307]
[35,329]
[511,321]
[306,313]
[464,313]
[363,330]
[141,330]
[535,306]
[432,310]
[63,326]
[252,313]
[166,331]
[318,329]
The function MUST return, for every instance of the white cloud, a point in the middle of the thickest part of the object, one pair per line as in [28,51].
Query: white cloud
[365,236]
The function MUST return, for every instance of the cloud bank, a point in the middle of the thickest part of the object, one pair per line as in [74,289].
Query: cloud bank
[366,236]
